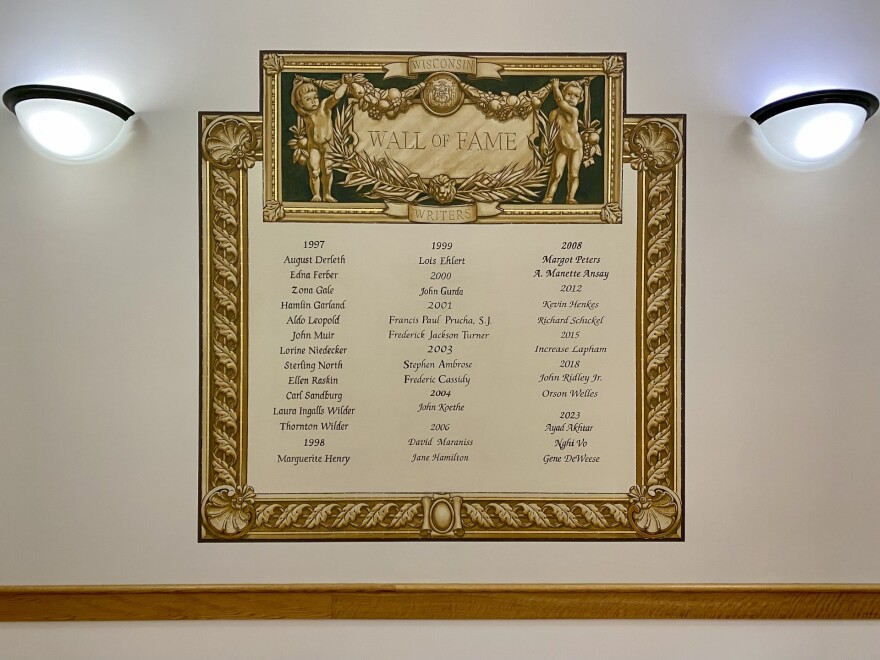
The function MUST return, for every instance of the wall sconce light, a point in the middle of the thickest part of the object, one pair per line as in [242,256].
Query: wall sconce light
[71,124]
[814,126]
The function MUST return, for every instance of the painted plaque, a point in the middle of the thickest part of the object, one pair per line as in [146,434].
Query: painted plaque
[441,299]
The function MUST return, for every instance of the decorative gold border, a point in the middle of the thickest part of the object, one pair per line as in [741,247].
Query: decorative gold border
[430,601]
[230,509]
[611,66]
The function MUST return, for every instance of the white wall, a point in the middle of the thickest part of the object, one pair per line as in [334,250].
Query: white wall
[99,324]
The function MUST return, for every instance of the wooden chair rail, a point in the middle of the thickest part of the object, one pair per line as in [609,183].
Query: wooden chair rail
[431,601]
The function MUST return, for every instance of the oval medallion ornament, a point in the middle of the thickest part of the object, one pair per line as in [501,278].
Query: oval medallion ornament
[442,516]
[442,94]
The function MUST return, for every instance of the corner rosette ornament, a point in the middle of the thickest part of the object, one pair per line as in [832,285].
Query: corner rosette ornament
[228,511]
[654,145]
[654,511]
[231,143]
[442,189]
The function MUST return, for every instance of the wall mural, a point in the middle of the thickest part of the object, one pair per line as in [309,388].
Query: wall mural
[441,299]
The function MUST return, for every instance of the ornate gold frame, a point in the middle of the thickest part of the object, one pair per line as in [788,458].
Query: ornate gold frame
[612,66]
[229,507]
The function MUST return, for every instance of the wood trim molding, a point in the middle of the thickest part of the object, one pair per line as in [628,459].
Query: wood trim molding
[429,601]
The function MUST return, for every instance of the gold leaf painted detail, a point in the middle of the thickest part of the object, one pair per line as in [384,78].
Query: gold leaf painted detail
[612,213]
[273,63]
[225,332]
[504,106]
[658,330]
[273,211]
[654,145]
[654,511]
[613,65]
[272,516]
[232,143]
[228,511]
[547,515]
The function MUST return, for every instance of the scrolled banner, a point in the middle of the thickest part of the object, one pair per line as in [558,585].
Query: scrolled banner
[453,214]
[473,67]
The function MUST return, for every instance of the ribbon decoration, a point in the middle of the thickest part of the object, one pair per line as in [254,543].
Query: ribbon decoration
[473,67]
[453,214]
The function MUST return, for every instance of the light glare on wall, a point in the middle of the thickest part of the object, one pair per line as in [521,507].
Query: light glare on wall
[69,123]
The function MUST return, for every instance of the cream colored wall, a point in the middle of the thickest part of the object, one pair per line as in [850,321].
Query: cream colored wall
[408,640]
[99,323]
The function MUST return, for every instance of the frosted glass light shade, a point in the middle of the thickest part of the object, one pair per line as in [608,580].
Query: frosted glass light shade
[69,123]
[815,126]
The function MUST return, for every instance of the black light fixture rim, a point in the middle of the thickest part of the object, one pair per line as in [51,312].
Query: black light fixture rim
[15,95]
[864,100]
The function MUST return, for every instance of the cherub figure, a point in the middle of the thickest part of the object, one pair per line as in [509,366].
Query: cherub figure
[318,115]
[568,141]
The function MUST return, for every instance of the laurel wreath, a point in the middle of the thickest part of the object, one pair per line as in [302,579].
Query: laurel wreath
[388,179]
